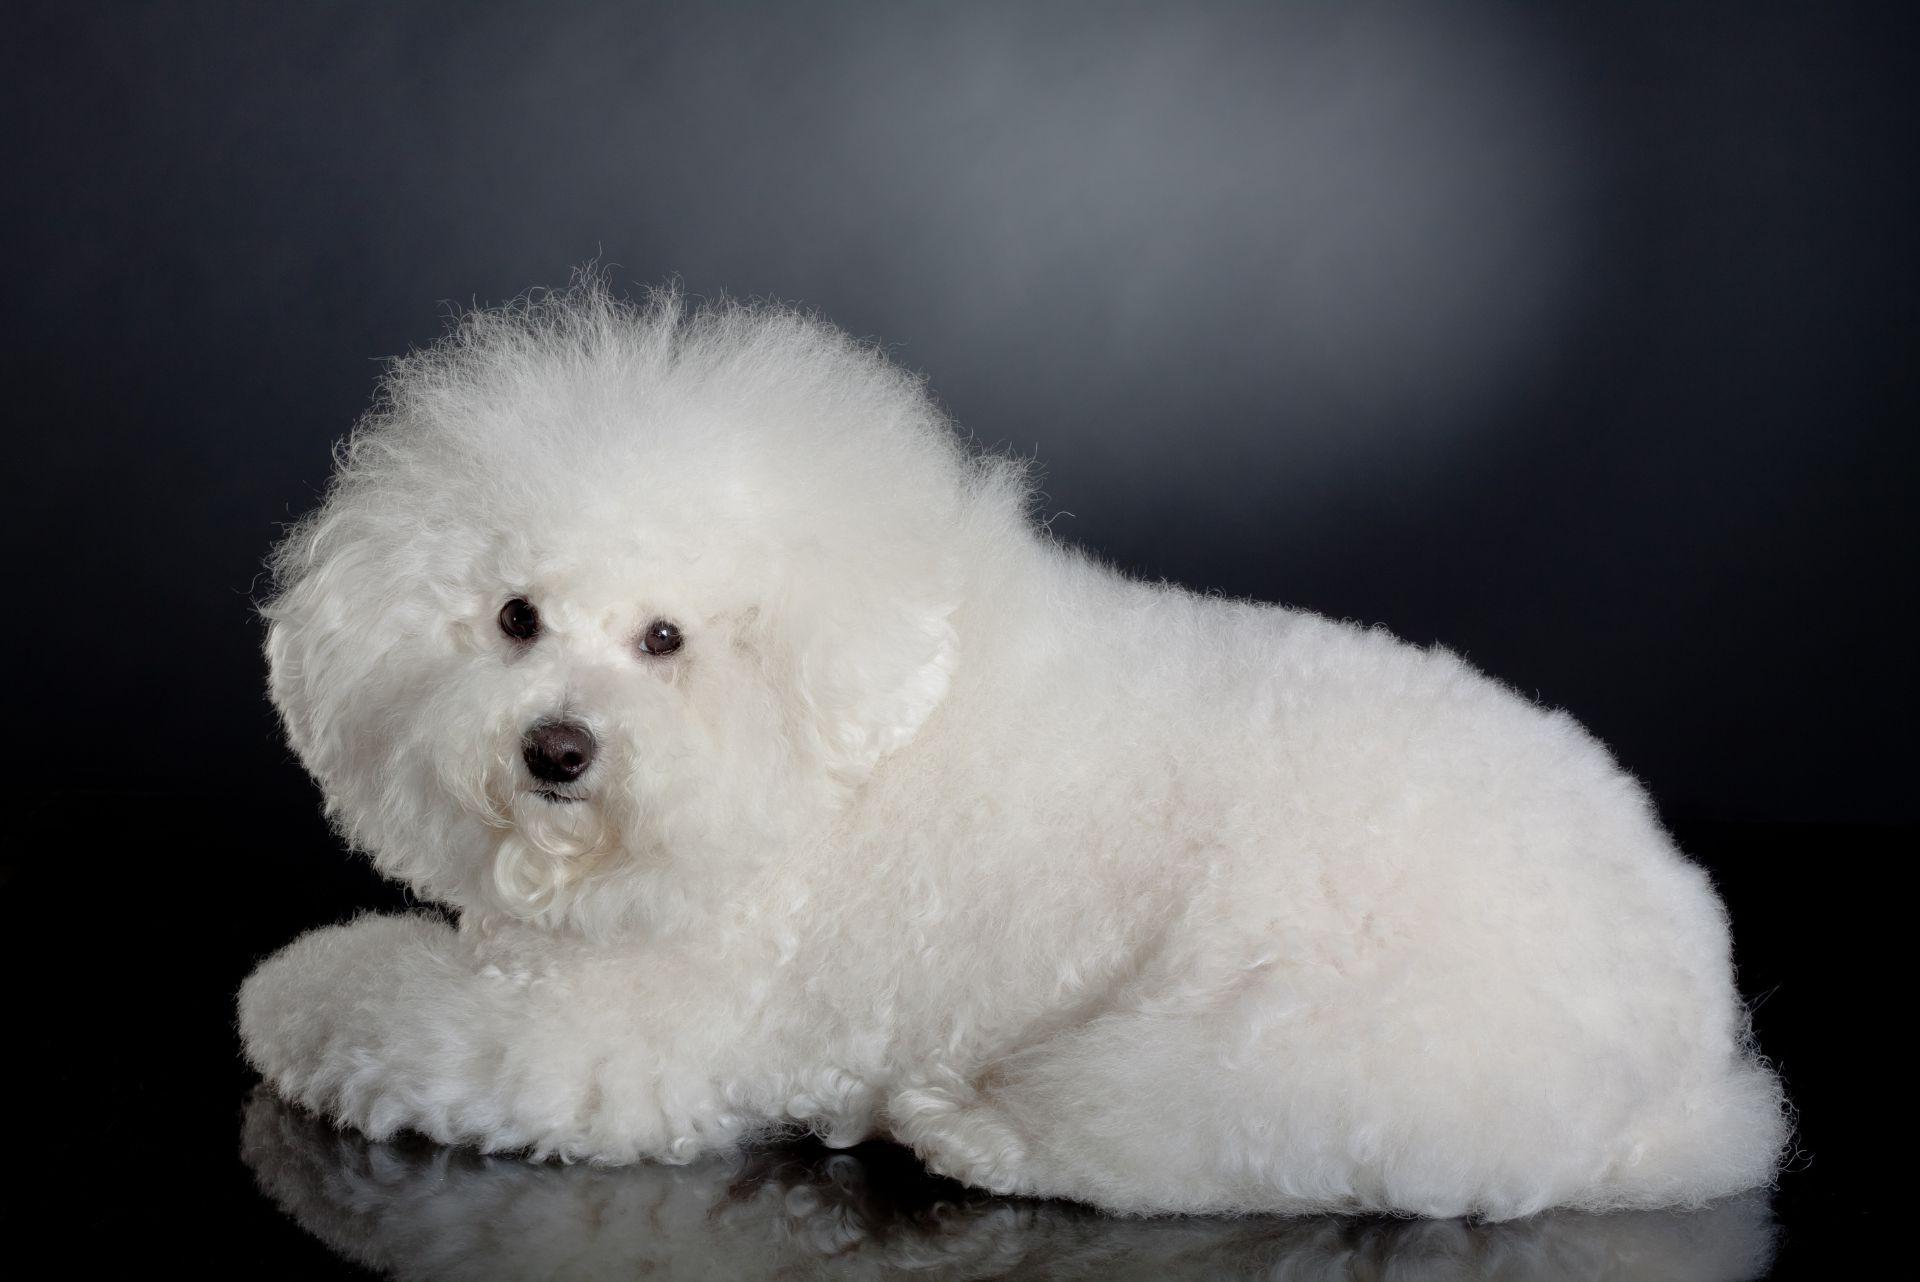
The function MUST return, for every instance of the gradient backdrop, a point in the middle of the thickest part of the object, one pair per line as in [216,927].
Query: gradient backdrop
[1579,338]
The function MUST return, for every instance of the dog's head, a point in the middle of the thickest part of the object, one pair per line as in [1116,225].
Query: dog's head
[607,603]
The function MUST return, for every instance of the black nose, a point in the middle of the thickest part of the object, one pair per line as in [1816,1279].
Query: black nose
[558,751]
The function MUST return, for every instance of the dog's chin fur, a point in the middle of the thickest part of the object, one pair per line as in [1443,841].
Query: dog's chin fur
[548,849]
[933,828]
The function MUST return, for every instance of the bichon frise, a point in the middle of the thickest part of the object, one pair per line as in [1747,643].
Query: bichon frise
[782,773]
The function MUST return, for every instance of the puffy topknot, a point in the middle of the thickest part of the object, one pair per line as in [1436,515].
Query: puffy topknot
[581,401]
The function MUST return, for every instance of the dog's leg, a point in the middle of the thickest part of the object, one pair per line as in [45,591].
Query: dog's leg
[1208,1111]
[960,1132]
[1128,1113]
[402,1023]
[1080,1116]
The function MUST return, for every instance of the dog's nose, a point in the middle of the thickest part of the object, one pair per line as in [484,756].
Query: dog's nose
[558,751]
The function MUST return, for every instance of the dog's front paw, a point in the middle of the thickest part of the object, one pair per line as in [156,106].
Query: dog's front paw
[321,1018]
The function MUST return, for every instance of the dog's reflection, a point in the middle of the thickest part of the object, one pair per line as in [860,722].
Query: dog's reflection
[415,1210]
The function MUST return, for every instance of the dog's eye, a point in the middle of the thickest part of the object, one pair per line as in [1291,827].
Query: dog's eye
[519,620]
[660,637]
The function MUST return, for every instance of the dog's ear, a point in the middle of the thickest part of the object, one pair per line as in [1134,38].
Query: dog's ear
[870,651]
[309,651]
[329,648]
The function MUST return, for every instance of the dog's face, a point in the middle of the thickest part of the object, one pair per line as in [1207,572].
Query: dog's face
[627,613]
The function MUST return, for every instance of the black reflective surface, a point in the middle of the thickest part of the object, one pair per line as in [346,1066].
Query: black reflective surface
[413,1210]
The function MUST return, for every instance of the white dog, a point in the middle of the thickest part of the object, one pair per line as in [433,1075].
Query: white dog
[782,773]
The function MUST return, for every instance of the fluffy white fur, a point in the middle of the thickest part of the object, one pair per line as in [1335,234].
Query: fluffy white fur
[936,829]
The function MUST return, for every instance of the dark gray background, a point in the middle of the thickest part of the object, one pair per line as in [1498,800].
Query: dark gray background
[1578,337]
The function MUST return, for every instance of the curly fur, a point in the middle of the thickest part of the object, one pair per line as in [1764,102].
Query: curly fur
[939,830]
